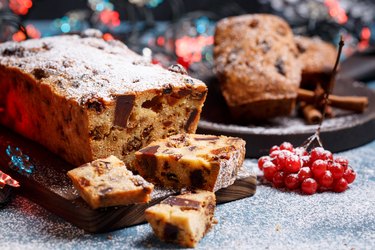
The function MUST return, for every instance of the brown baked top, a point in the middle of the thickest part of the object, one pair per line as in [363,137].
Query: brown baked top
[80,68]
[256,58]
[316,55]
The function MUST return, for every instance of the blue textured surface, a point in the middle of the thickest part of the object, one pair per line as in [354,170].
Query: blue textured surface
[273,219]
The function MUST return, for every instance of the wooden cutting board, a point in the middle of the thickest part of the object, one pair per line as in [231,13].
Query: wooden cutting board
[50,187]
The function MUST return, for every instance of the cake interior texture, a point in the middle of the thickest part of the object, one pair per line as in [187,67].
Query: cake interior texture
[183,219]
[206,162]
[85,98]
[107,182]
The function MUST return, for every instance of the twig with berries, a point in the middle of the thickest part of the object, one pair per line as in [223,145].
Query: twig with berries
[317,170]
[327,92]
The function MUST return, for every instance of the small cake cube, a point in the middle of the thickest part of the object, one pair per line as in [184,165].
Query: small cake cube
[206,162]
[183,219]
[107,182]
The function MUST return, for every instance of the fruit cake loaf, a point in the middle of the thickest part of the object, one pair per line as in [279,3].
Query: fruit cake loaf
[85,98]
[317,58]
[257,65]
[183,219]
[191,160]
[107,182]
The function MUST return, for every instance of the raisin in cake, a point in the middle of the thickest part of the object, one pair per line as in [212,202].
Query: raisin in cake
[107,182]
[85,98]
[259,72]
[183,219]
[191,160]
[317,58]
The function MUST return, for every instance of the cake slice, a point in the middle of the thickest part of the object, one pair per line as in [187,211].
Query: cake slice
[206,162]
[183,219]
[85,98]
[107,182]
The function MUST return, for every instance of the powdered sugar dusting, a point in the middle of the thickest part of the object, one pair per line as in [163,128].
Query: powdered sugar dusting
[286,125]
[80,68]
[272,219]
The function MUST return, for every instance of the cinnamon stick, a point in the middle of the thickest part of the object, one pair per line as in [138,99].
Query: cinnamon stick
[311,114]
[353,103]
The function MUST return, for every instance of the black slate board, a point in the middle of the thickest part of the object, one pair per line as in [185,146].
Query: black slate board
[346,130]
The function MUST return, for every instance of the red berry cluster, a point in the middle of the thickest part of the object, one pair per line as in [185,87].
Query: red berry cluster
[295,168]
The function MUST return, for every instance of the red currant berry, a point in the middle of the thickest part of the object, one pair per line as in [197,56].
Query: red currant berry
[278,179]
[320,154]
[269,170]
[274,148]
[342,161]
[340,185]
[304,173]
[300,151]
[292,181]
[336,169]
[286,146]
[280,159]
[327,155]
[274,156]
[326,179]
[349,175]
[292,163]
[318,168]
[316,153]
[305,161]
[309,186]
[262,160]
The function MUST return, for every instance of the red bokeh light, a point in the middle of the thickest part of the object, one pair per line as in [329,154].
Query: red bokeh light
[336,11]
[110,18]
[108,37]
[365,33]
[32,32]
[160,41]
[189,49]
[20,7]
[365,38]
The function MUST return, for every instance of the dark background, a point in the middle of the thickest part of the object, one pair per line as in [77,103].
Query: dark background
[51,9]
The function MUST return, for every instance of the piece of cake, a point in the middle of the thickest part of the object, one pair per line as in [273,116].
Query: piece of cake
[257,63]
[85,98]
[206,162]
[183,219]
[317,58]
[107,182]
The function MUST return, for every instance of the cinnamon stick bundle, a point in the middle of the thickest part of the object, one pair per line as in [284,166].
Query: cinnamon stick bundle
[311,114]
[352,103]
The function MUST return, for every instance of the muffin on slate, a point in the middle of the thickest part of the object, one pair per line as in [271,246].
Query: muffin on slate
[256,62]
[317,58]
